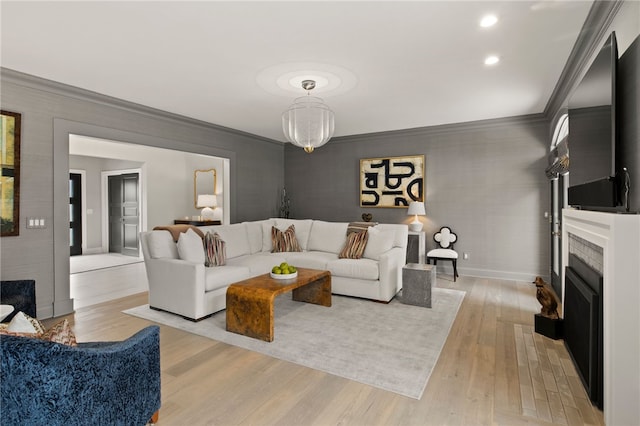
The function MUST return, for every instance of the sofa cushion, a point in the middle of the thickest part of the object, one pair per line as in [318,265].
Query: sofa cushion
[161,245]
[327,236]
[190,247]
[400,233]
[303,229]
[366,269]
[214,250]
[379,242]
[355,245]
[215,278]
[254,231]
[236,238]
[258,264]
[310,259]
[282,241]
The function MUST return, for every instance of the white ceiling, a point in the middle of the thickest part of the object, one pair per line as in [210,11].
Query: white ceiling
[401,64]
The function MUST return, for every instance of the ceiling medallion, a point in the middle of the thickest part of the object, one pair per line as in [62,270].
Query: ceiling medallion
[308,122]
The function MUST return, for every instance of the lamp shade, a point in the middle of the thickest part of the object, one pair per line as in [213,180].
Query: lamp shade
[416,207]
[207,200]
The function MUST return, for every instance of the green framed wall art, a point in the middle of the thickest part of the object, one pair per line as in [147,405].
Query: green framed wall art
[10,180]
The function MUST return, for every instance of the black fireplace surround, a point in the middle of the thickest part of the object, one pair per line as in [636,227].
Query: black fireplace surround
[583,324]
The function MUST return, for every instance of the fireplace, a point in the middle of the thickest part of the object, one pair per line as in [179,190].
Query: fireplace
[616,240]
[583,324]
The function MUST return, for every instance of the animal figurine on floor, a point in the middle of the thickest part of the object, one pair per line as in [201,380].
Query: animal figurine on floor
[546,298]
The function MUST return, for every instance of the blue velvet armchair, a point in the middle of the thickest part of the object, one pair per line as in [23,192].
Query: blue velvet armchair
[101,383]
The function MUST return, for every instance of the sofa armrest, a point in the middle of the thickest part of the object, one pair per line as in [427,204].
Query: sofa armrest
[390,266]
[50,383]
[177,286]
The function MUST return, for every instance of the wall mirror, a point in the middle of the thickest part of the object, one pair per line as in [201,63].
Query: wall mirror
[204,182]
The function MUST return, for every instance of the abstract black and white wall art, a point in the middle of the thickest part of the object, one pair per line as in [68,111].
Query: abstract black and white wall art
[391,181]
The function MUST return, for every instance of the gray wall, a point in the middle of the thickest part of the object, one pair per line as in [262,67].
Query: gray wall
[50,112]
[485,180]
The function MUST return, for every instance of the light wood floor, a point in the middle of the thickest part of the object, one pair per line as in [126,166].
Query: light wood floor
[493,370]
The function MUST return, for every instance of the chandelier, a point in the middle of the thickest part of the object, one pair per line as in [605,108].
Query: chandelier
[308,123]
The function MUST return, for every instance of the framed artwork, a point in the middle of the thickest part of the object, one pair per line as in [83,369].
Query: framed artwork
[10,179]
[391,181]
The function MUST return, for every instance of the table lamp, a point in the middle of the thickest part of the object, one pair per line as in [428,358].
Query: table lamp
[416,208]
[207,201]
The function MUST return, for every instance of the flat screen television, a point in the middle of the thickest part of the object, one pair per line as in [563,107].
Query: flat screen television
[593,178]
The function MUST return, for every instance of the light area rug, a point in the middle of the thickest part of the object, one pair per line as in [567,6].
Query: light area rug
[389,346]
[93,262]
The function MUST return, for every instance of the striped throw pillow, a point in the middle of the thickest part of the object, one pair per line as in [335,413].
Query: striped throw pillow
[282,241]
[355,245]
[215,251]
[61,333]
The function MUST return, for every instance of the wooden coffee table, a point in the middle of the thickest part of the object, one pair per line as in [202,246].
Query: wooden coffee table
[250,302]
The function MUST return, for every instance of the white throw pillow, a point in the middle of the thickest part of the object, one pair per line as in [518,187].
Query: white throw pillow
[190,247]
[254,232]
[161,245]
[23,323]
[266,234]
[379,242]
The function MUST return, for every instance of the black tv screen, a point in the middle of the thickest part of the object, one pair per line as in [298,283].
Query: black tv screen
[592,133]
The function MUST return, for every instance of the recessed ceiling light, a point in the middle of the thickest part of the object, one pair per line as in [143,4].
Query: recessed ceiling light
[488,21]
[491,60]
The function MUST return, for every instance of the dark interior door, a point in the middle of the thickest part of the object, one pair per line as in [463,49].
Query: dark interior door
[75,214]
[124,214]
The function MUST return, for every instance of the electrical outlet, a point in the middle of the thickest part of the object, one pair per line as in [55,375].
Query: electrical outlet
[465,256]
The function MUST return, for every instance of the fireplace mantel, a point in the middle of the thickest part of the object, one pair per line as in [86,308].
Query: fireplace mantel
[619,237]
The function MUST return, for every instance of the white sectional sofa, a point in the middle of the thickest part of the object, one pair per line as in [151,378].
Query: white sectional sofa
[194,291]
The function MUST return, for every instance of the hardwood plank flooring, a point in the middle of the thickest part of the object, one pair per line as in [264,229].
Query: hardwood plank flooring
[493,370]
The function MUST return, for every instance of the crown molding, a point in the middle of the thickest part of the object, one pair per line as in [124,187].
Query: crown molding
[60,89]
[469,126]
[593,31]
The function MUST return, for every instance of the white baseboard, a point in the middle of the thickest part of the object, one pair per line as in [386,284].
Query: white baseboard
[62,307]
[527,277]
[94,250]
